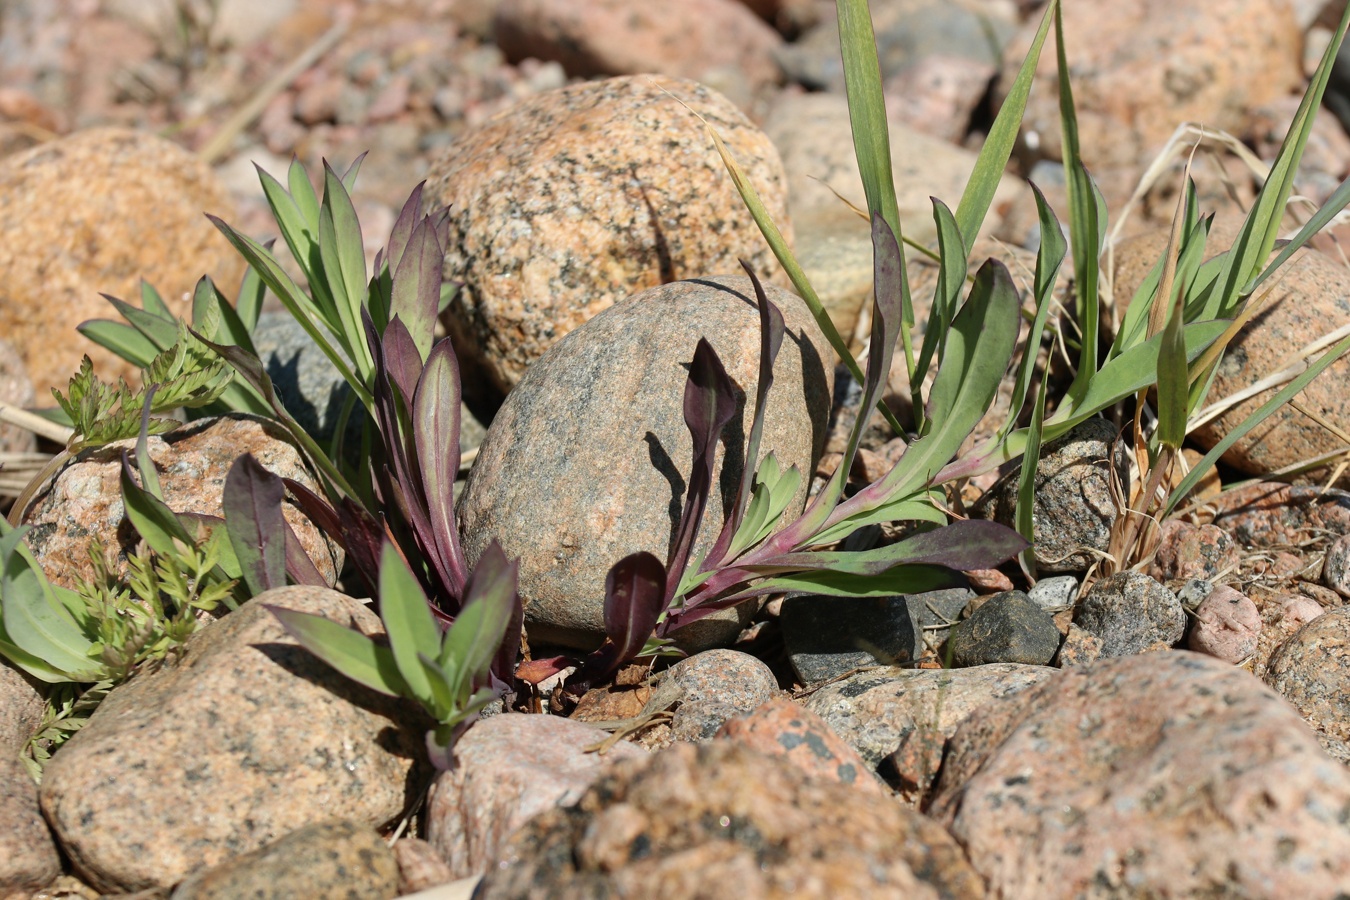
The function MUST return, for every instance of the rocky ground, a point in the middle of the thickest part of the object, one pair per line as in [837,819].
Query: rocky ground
[1176,729]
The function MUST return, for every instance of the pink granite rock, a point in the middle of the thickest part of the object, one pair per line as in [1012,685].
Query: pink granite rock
[28,855]
[1227,626]
[1312,671]
[240,741]
[1162,775]
[695,39]
[721,820]
[97,212]
[576,198]
[21,708]
[1142,67]
[16,389]
[86,498]
[508,769]
[784,728]
[1193,551]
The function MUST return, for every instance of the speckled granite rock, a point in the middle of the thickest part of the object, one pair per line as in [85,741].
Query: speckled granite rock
[97,212]
[1227,625]
[709,688]
[576,198]
[326,859]
[1336,566]
[873,711]
[709,41]
[1193,551]
[20,709]
[1163,775]
[1007,628]
[227,750]
[812,133]
[1131,613]
[1145,66]
[828,636]
[28,856]
[510,768]
[16,389]
[1079,648]
[720,820]
[1073,506]
[1312,671]
[420,867]
[1269,515]
[587,460]
[783,727]
[193,460]
[1311,290]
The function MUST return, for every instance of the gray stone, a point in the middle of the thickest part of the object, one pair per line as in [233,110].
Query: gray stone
[508,769]
[1131,613]
[28,856]
[1336,566]
[1312,671]
[722,820]
[588,459]
[828,636]
[574,199]
[1074,506]
[1168,775]
[1007,628]
[326,859]
[225,750]
[1055,593]
[711,687]
[874,711]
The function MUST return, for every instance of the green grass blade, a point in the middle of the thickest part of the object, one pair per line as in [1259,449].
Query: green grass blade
[1049,260]
[1024,515]
[998,145]
[952,268]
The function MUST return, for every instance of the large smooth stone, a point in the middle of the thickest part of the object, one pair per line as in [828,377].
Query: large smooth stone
[570,201]
[97,212]
[588,459]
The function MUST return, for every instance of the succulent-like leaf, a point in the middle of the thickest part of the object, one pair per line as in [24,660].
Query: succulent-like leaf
[153,520]
[45,639]
[633,602]
[417,286]
[257,530]
[349,651]
[161,331]
[408,218]
[490,602]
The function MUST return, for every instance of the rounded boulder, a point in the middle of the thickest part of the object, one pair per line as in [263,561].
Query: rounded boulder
[589,458]
[570,201]
[94,213]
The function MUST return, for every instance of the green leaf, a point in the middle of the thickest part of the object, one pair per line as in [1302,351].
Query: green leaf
[899,580]
[350,652]
[1025,513]
[408,620]
[34,620]
[1173,379]
[998,144]
[479,629]
[125,341]
[153,520]
[153,303]
[951,279]
[162,331]
[344,262]
[252,291]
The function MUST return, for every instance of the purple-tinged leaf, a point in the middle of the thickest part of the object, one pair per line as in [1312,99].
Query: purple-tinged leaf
[417,286]
[349,176]
[349,524]
[535,671]
[402,358]
[771,331]
[408,218]
[904,579]
[709,404]
[483,626]
[436,432]
[299,566]
[965,545]
[252,502]
[634,598]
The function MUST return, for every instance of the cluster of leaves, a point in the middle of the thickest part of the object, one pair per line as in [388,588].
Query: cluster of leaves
[378,329]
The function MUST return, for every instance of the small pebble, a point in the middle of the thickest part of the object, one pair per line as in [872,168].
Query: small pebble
[1055,593]
[1008,628]
[1227,626]
[1336,566]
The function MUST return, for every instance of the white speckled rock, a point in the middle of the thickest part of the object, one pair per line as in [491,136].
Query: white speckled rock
[576,198]
[508,769]
[1166,775]
[241,741]
[588,459]
[86,497]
